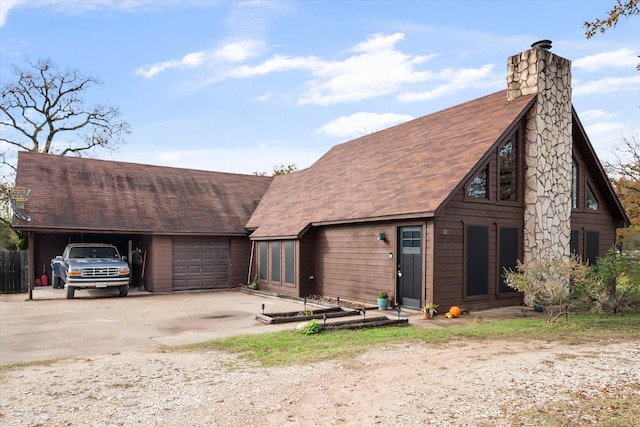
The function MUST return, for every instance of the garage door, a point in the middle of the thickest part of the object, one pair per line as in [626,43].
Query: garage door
[200,263]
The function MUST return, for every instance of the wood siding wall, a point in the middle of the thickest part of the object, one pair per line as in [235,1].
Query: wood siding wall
[353,265]
[584,220]
[450,250]
[240,250]
[449,281]
[306,250]
[158,271]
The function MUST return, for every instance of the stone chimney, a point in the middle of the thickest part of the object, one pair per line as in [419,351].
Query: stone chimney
[548,142]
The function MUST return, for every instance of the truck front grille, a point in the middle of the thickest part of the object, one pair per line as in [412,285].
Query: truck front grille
[101,272]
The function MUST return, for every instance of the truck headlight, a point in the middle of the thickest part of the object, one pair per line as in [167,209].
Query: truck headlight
[75,272]
[124,271]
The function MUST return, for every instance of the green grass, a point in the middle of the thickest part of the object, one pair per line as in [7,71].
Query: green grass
[6,367]
[290,347]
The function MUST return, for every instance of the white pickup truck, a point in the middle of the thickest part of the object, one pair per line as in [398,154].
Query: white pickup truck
[90,266]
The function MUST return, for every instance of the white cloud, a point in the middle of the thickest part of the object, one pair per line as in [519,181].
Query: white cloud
[608,85]
[238,51]
[591,115]
[5,7]
[277,63]
[377,68]
[624,57]
[359,124]
[605,136]
[456,80]
[230,52]
[74,7]
[190,60]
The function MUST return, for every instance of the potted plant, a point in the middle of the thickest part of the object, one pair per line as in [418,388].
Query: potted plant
[383,301]
[429,309]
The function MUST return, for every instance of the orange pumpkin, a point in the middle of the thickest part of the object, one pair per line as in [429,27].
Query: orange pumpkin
[448,316]
[455,311]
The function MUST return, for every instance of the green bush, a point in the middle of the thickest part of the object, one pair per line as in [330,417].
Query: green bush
[619,273]
[554,284]
[313,327]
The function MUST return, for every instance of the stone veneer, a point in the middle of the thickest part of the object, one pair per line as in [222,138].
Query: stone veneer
[548,156]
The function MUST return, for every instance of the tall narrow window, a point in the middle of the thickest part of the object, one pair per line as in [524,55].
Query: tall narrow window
[275,261]
[477,187]
[507,171]
[590,200]
[574,185]
[289,261]
[264,259]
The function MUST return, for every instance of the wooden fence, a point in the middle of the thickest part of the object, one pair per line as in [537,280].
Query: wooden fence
[14,272]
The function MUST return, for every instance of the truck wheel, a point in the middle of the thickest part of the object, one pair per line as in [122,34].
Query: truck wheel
[70,291]
[124,290]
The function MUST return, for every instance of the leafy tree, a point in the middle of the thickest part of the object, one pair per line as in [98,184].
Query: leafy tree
[620,274]
[624,170]
[42,110]
[8,239]
[280,170]
[621,8]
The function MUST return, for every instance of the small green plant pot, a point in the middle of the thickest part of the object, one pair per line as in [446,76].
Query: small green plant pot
[383,303]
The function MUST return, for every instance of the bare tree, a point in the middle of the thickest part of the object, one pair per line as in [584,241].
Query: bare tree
[44,103]
[624,171]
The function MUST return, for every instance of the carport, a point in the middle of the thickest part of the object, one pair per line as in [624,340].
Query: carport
[189,223]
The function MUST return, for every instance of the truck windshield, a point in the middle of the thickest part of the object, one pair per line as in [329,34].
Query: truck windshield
[94,253]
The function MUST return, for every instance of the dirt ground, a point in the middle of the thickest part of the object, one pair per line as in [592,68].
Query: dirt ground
[464,383]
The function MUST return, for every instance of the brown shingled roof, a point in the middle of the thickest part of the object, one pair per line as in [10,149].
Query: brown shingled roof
[408,170]
[70,193]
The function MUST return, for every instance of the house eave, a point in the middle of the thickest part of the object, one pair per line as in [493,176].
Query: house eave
[50,229]
[384,218]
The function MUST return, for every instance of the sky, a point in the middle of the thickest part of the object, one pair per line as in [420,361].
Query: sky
[243,86]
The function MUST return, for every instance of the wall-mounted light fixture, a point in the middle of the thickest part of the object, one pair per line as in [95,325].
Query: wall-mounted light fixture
[445,232]
[390,255]
[382,236]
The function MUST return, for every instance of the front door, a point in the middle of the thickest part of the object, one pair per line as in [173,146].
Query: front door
[410,266]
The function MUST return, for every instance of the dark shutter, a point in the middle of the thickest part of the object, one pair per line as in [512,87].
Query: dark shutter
[477,268]
[575,242]
[592,251]
[509,245]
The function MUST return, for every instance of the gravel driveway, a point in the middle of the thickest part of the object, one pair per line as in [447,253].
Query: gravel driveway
[458,384]
[464,383]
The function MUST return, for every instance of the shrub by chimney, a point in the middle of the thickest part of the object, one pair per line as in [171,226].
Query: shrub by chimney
[548,143]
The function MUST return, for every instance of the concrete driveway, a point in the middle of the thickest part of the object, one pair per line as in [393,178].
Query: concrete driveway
[98,322]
